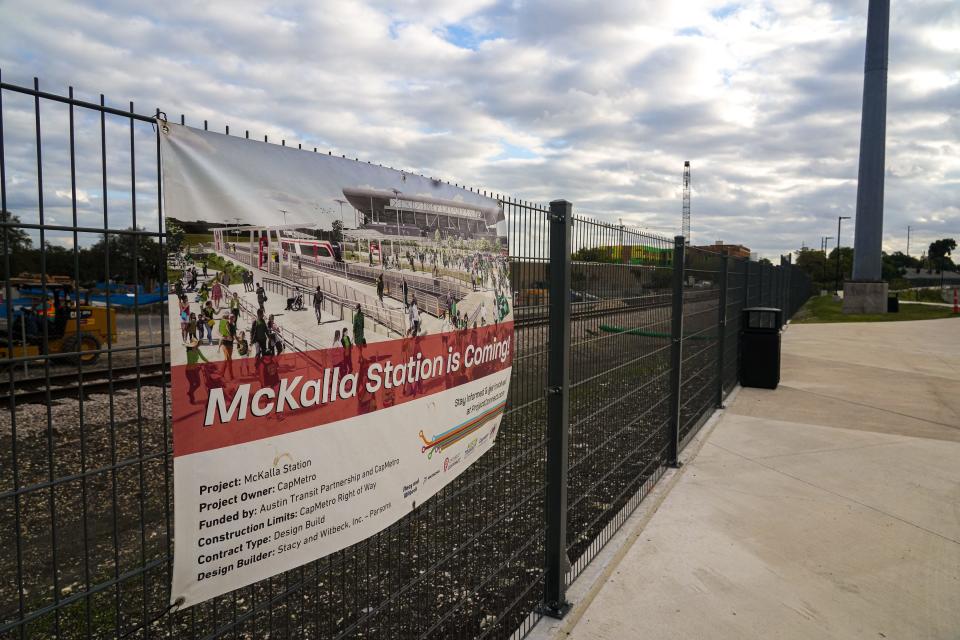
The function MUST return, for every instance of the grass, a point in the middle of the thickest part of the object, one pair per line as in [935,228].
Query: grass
[826,309]
[222,264]
[924,295]
[194,239]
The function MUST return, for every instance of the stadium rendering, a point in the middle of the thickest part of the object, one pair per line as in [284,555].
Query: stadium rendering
[395,213]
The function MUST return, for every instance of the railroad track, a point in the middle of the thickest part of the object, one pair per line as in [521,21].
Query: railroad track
[536,319]
[604,308]
[95,381]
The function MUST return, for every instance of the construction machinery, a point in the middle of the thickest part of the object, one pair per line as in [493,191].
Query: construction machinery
[43,320]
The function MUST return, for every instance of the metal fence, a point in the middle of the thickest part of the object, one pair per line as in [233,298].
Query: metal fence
[625,343]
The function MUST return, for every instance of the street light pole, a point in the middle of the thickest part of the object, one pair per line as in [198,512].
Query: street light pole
[839,218]
[396,194]
[825,240]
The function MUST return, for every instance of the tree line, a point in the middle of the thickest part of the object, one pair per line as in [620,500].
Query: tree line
[822,268]
[126,254]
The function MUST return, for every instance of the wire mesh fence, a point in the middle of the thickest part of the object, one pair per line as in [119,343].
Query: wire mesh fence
[619,362]
[85,440]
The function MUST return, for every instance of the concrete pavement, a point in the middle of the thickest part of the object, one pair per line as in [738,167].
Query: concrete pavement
[828,508]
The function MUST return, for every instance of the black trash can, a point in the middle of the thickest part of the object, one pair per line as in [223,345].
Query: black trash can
[760,347]
[893,303]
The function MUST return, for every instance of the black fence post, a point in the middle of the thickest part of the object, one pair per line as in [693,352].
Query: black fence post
[746,283]
[676,351]
[558,410]
[722,327]
[762,268]
[784,287]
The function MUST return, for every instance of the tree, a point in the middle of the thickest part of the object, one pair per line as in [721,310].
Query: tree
[175,235]
[811,262]
[337,231]
[896,264]
[940,251]
[16,238]
[594,254]
[846,265]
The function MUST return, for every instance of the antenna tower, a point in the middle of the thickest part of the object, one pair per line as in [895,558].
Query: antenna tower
[685,228]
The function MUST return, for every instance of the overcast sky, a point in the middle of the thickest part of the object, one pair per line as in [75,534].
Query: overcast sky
[595,102]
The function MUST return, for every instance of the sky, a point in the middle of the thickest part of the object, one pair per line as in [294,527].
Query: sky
[598,103]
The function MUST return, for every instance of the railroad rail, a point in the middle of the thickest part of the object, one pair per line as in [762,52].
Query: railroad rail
[95,381]
[540,314]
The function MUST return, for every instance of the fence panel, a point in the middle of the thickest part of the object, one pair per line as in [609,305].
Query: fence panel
[86,476]
[701,303]
[620,346]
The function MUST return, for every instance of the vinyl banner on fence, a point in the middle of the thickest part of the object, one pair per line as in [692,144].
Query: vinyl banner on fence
[341,343]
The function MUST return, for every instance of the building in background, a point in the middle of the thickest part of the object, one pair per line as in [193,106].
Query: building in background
[735,250]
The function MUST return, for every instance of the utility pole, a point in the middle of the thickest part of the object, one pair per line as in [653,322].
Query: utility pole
[908,241]
[623,249]
[396,195]
[839,218]
[825,240]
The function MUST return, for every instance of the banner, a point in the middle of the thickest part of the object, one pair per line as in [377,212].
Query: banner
[341,346]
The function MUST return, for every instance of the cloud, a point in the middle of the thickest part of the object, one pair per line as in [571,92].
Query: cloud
[599,104]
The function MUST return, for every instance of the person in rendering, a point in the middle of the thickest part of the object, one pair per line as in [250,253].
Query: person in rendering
[204,268]
[235,307]
[192,370]
[358,326]
[336,339]
[380,287]
[184,318]
[243,348]
[216,293]
[228,333]
[414,316]
[258,334]
[347,344]
[318,303]
[273,336]
[192,328]
[261,296]
[405,289]
[207,317]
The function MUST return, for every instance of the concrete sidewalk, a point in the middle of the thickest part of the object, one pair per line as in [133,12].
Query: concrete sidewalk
[829,508]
